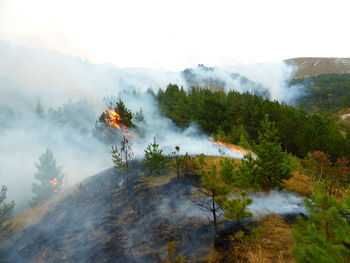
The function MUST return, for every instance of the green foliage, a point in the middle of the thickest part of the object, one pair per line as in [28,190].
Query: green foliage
[103,129]
[50,178]
[227,171]
[6,210]
[231,115]
[173,103]
[236,208]
[125,114]
[325,93]
[122,156]
[171,256]
[214,188]
[201,160]
[139,117]
[271,166]
[155,160]
[117,157]
[189,165]
[325,235]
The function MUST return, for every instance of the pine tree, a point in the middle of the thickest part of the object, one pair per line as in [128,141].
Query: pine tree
[325,235]
[125,114]
[272,165]
[236,208]
[50,176]
[6,210]
[215,189]
[155,160]
[122,156]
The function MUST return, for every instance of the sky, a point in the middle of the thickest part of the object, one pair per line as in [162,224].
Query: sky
[173,35]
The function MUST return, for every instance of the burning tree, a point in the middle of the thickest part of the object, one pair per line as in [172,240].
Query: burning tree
[122,156]
[155,160]
[50,176]
[5,213]
[118,118]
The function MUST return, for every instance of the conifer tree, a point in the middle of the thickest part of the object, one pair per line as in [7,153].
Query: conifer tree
[122,156]
[6,210]
[50,178]
[272,165]
[155,160]
[236,208]
[325,235]
[215,189]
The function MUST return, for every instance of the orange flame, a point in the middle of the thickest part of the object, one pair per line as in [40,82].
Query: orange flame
[114,119]
[230,147]
[53,183]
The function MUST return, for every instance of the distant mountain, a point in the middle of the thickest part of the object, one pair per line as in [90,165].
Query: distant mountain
[313,66]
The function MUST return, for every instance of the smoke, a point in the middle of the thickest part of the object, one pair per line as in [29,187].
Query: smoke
[276,202]
[71,91]
[270,80]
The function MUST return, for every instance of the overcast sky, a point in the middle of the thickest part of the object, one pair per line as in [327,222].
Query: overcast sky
[173,34]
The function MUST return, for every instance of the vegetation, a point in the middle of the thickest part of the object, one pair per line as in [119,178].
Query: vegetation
[271,166]
[6,210]
[325,93]
[50,178]
[122,156]
[334,176]
[231,115]
[325,235]
[155,161]
[171,257]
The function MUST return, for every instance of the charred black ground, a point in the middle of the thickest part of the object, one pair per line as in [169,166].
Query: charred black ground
[105,221]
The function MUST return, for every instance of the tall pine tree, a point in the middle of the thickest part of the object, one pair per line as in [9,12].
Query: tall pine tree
[50,178]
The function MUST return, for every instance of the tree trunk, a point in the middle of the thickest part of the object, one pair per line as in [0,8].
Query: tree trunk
[214,213]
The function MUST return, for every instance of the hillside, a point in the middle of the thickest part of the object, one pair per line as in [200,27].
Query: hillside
[313,66]
[106,221]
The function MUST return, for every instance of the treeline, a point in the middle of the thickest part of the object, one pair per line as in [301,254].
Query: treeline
[325,93]
[234,117]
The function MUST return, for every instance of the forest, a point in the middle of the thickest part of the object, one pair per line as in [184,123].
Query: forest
[235,117]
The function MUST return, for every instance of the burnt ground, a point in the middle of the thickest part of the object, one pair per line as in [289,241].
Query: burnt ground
[104,220]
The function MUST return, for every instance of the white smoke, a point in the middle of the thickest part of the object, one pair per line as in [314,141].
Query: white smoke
[276,202]
[31,75]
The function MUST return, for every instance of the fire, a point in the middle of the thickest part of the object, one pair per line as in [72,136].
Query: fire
[114,120]
[230,147]
[53,183]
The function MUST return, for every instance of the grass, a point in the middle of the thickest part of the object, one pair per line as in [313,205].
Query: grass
[299,183]
[271,244]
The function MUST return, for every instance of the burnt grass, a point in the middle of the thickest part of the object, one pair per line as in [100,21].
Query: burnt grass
[107,220]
